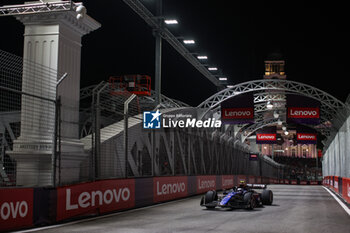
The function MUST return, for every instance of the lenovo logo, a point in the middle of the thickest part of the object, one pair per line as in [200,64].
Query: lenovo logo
[13,209]
[266,137]
[238,113]
[170,188]
[205,184]
[87,199]
[303,136]
[100,196]
[303,112]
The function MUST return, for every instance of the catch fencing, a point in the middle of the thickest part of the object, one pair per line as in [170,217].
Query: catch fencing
[35,135]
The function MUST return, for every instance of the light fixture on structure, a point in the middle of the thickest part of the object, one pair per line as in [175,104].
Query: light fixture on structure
[189,41]
[170,21]
[202,57]
[269,105]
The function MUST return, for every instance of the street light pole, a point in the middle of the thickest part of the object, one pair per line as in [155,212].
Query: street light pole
[158,55]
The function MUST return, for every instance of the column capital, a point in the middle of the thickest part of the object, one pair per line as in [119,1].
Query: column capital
[69,19]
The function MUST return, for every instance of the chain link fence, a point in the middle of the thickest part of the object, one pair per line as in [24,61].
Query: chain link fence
[27,120]
[36,125]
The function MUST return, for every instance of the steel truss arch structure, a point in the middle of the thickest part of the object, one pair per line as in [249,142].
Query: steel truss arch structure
[329,104]
[331,109]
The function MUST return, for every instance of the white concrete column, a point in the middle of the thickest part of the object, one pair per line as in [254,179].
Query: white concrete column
[52,47]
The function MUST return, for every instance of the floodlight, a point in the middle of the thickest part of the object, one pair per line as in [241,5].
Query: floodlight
[269,105]
[202,57]
[189,41]
[170,21]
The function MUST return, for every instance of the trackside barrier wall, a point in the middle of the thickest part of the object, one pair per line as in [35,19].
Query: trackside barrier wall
[339,185]
[28,207]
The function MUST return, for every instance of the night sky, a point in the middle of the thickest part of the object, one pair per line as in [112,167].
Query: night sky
[237,36]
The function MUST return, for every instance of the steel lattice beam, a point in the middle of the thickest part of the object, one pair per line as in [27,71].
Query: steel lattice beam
[33,8]
[153,22]
[330,104]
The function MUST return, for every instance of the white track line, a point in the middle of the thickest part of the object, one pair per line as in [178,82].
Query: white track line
[347,210]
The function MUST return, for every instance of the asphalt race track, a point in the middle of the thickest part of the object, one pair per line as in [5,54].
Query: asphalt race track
[295,209]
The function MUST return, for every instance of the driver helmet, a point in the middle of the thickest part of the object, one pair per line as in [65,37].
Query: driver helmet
[241,184]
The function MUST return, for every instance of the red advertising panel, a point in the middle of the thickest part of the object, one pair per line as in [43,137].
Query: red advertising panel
[16,208]
[293,182]
[237,110]
[336,184]
[206,183]
[104,196]
[251,180]
[303,182]
[237,113]
[306,138]
[303,113]
[266,138]
[346,189]
[226,182]
[330,178]
[258,180]
[169,188]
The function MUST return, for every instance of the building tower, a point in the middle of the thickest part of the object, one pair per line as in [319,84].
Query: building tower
[274,67]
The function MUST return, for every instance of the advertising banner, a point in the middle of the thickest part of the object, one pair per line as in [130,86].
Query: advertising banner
[238,110]
[266,138]
[16,208]
[267,135]
[227,182]
[100,196]
[206,183]
[253,157]
[306,138]
[169,188]
[336,184]
[346,189]
[302,110]
[251,180]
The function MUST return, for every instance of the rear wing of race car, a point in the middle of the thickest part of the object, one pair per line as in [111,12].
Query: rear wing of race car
[257,186]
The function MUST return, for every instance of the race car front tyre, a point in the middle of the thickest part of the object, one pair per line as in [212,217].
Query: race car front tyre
[249,200]
[267,197]
[210,196]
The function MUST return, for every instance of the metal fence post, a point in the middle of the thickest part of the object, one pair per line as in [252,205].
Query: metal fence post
[126,125]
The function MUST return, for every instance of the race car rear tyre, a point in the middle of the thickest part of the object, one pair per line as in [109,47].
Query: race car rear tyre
[211,196]
[267,197]
[249,200]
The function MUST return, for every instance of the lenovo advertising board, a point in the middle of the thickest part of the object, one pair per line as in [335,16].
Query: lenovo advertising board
[238,110]
[303,110]
[227,181]
[266,138]
[266,135]
[169,188]
[16,208]
[306,135]
[306,138]
[206,183]
[95,197]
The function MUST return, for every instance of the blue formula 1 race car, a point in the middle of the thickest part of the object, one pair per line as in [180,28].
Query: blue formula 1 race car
[243,196]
